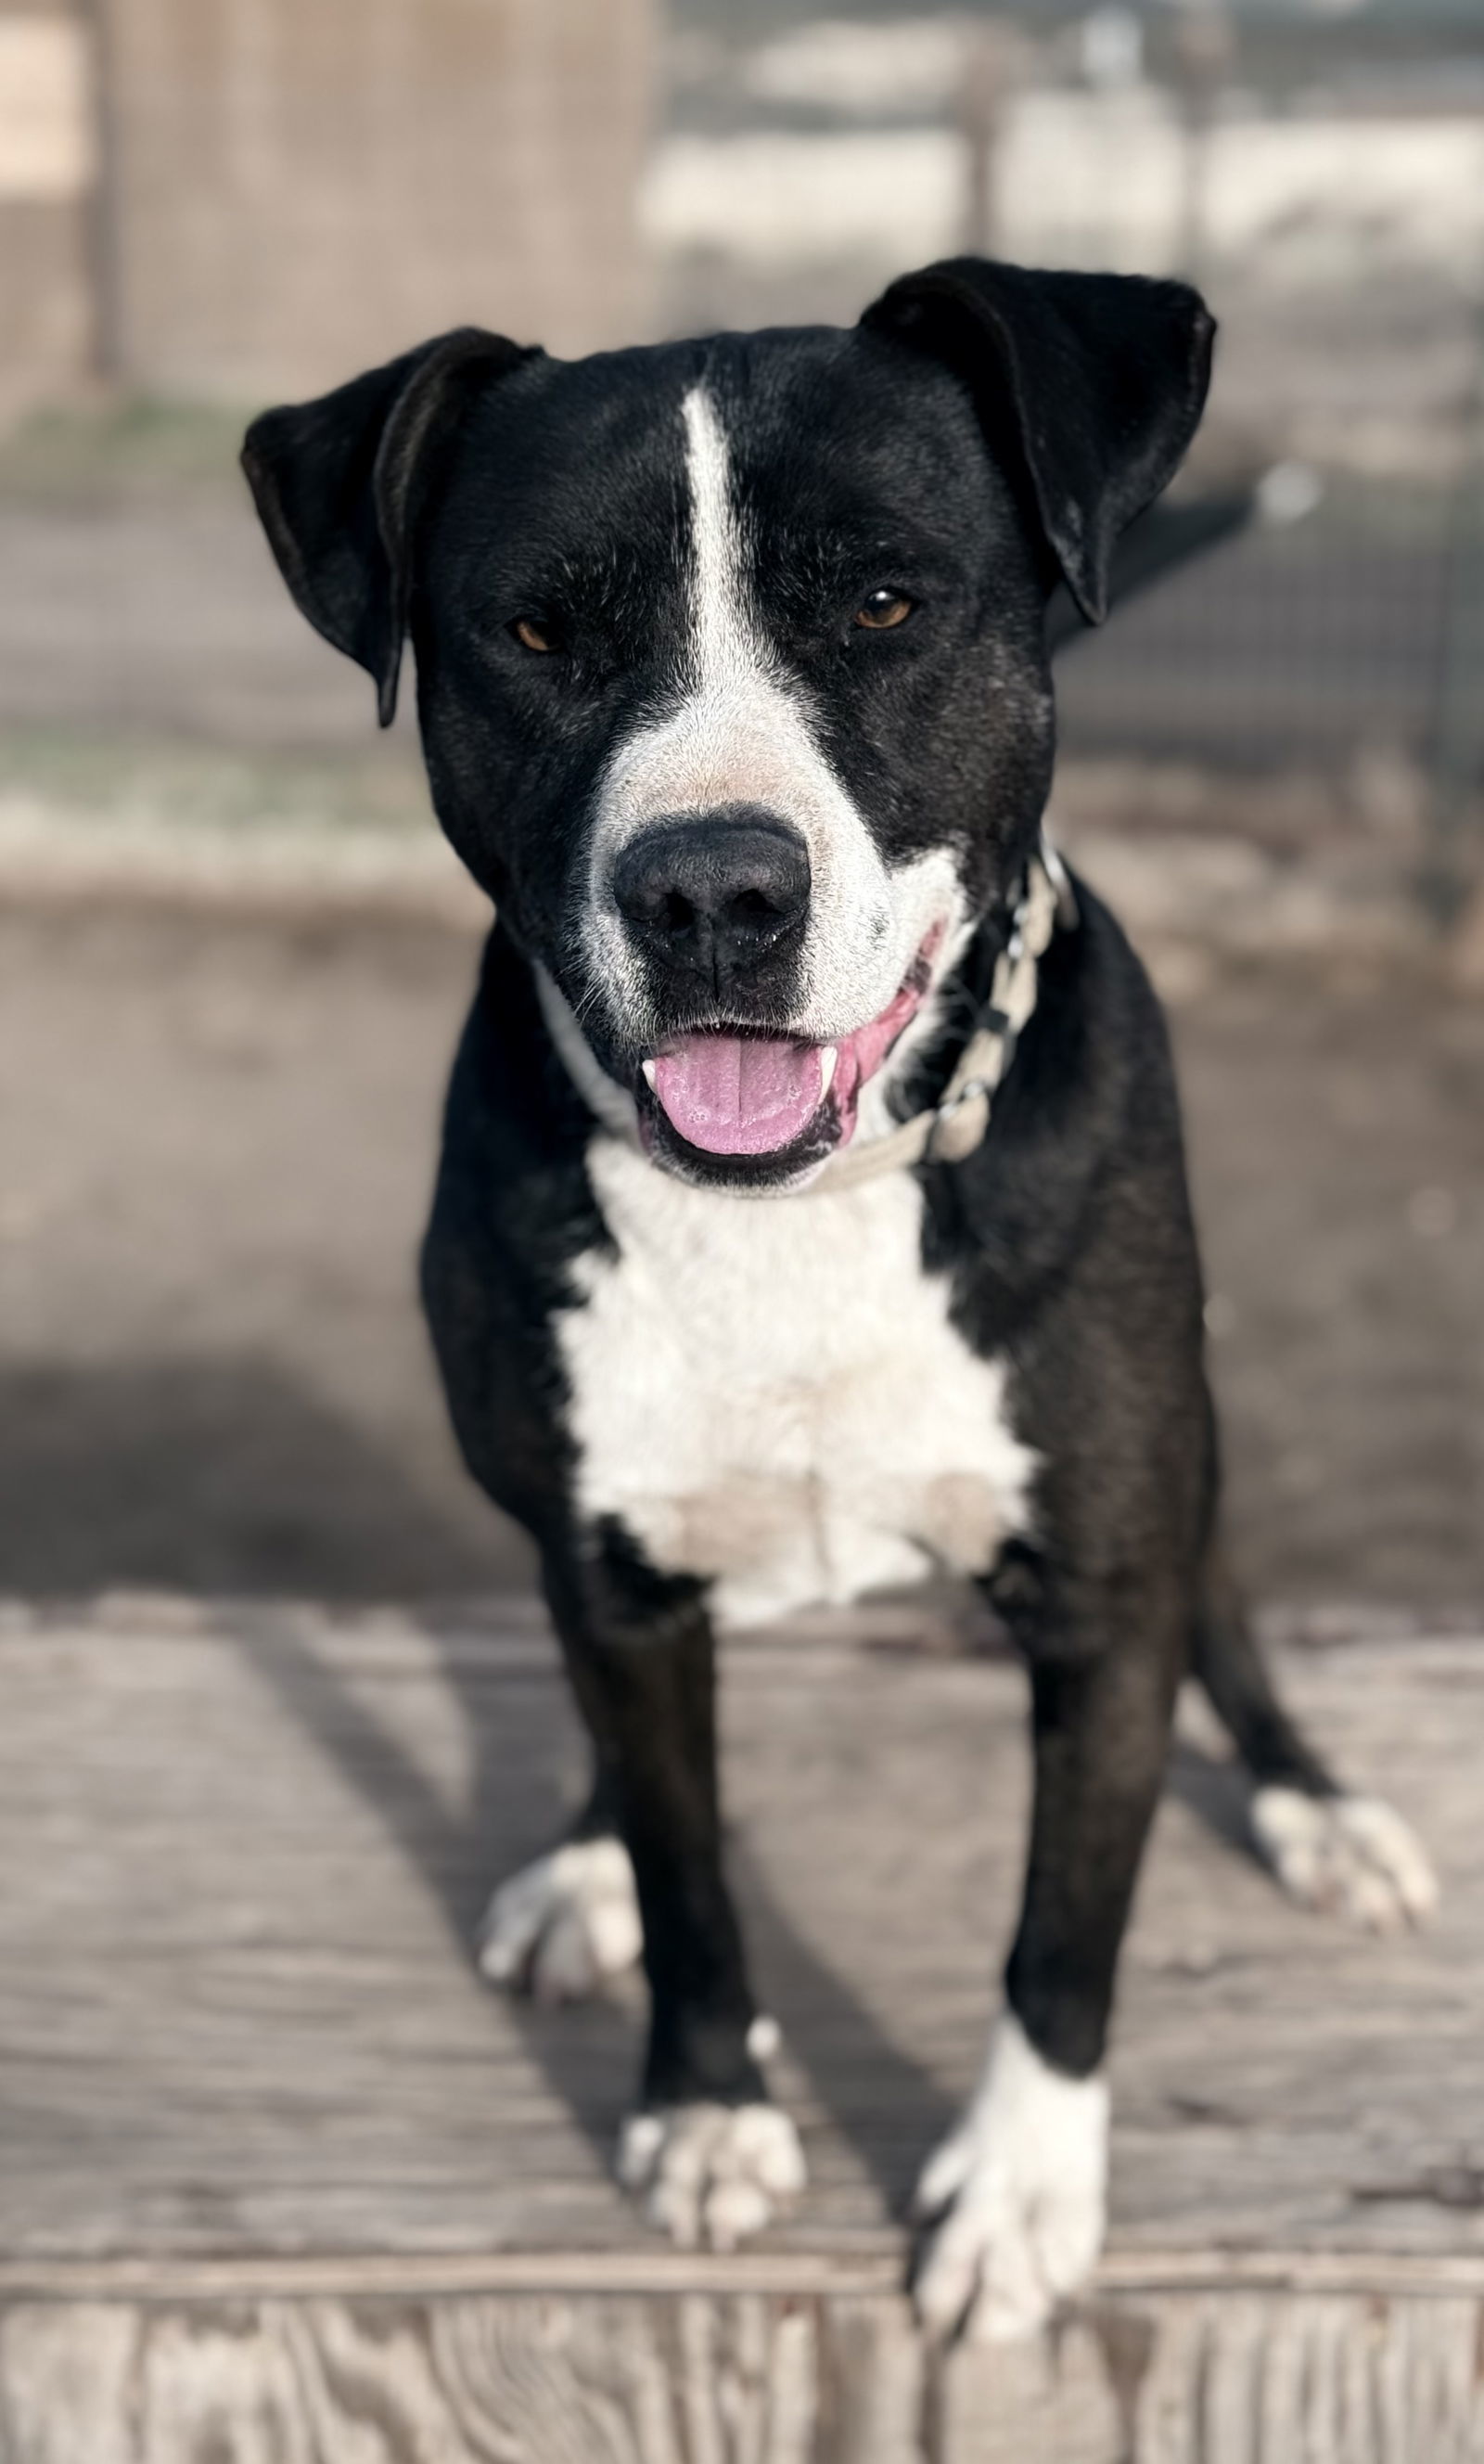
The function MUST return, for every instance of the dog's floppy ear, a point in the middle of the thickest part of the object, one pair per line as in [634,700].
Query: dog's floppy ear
[1096,380]
[338,484]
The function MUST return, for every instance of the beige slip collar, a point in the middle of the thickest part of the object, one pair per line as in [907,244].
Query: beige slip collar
[954,1127]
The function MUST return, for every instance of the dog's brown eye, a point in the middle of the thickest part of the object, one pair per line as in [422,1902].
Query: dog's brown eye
[882,609]
[533,636]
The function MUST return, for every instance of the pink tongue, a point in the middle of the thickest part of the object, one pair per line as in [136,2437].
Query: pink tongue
[734,1095]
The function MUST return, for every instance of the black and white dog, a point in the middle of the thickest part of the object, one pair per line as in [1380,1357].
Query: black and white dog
[812,1212]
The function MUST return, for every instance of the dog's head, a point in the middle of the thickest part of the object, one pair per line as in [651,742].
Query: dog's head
[730,655]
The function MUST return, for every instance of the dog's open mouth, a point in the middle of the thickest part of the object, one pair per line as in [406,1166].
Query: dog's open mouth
[734,1091]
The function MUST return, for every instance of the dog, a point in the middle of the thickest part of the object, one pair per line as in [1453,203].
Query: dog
[811,1214]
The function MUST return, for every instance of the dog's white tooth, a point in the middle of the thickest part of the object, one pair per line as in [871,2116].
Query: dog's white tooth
[647,1067]
[827,1060]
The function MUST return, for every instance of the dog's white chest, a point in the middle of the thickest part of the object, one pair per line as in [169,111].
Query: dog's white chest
[769,1393]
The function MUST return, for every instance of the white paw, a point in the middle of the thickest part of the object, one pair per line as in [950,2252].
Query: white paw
[712,2173]
[1346,1855]
[1019,2194]
[561,1927]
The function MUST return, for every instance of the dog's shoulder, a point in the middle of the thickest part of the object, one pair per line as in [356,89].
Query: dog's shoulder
[514,1128]
[1088,1105]
[1094,1069]
[514,1208]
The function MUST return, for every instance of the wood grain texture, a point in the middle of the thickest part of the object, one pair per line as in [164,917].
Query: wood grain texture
[741,2379]
[278,2179]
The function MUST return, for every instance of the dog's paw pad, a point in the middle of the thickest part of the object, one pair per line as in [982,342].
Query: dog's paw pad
[1012,2204]
[561,1927]
[712,2175]
[1345,1855]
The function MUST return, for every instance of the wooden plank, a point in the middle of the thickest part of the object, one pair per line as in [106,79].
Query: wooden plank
[277,2177]
[743,2379]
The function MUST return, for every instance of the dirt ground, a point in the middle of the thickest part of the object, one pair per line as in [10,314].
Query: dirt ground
[218,1143]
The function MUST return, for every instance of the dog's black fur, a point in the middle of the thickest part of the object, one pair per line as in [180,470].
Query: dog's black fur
[984,435]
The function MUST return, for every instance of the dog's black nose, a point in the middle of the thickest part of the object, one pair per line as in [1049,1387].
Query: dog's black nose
[711,893]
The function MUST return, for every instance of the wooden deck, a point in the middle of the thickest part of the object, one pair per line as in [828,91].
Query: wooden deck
[279,2179]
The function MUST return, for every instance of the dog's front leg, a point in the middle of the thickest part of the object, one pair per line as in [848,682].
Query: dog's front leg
[707,2152]
[1012,2204]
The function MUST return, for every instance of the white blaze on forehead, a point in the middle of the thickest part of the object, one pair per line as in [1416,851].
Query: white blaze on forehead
[744,731]
[721,637]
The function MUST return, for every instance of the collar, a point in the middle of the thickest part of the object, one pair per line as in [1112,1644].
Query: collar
[951,1129]
[948,1130]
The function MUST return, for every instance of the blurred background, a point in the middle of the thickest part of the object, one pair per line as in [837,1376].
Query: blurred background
[233,951]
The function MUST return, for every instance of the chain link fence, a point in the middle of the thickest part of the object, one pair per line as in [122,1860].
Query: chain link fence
[1320,172]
